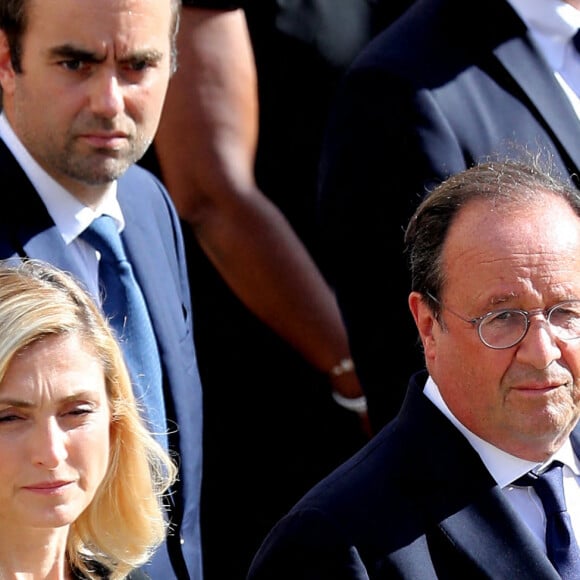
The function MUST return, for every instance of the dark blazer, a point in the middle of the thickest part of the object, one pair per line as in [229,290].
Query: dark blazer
[154,245]
[435,92]
[416,502]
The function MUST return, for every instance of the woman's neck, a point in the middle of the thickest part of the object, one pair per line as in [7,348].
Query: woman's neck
[37,556]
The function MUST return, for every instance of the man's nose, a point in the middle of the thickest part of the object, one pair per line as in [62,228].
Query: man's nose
[539,347]
[107,97]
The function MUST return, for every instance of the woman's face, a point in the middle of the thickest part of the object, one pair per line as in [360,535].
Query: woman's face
[54,434]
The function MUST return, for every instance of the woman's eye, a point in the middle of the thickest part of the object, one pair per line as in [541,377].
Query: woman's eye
[84,410]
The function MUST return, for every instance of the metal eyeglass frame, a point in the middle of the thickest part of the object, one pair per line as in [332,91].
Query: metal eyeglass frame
[479,320]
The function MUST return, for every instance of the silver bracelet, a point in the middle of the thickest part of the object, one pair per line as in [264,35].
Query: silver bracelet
[358,404]
[345,365]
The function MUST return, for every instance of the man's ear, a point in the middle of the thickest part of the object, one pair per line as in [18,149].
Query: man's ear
[425,322]
[7,73]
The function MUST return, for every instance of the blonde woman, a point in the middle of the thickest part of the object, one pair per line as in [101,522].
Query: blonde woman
[82,481]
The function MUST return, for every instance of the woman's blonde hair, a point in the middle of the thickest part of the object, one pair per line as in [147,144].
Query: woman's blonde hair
[125,522]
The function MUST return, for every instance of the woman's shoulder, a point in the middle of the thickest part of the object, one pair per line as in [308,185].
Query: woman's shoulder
[103,573]
[138,575]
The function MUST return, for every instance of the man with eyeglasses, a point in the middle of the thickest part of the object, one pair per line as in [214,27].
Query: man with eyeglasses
[436,92]
[449,489]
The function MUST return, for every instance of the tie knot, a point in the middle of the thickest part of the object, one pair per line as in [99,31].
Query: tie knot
[576,40]
[103,235]
[548,485]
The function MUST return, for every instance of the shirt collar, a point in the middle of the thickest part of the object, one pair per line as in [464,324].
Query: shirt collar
[70,216]
[552,24]
[503,467]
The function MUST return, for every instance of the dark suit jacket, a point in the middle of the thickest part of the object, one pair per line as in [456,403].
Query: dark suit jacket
[154,245]
[415,503]
[437,91]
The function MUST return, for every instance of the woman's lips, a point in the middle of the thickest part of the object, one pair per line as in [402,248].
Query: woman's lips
[47,487]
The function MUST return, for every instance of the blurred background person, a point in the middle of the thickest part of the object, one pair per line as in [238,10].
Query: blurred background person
[238,148]
[436,92]
[81,478]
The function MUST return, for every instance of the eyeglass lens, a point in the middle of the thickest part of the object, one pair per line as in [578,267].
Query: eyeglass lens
[507,327]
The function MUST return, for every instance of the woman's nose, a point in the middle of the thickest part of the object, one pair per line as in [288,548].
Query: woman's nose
[49,444]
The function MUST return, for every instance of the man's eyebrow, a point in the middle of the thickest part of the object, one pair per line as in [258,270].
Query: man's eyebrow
[147,55]
[72,52]
[69,51]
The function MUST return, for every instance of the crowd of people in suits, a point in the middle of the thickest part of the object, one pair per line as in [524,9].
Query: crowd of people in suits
[261,163]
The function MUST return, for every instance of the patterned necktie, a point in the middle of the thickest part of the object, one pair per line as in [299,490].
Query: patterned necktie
[561,544]
[124,305]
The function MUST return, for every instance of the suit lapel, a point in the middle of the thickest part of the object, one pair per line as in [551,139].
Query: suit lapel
[501,32]
[48,245]
[491,534]
[146,249]
[464,501]
[28,229]
[520,59]
[45,244]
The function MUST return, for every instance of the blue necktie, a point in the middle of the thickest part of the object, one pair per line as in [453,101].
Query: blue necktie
[561,544]
[576,40]
[124,305]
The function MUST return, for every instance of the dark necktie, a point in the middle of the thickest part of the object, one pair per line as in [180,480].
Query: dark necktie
[124,305]
[561,544]
[576,40]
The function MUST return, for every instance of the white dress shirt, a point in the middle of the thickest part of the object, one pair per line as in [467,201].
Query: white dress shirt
[70,216]
[552,24]
[506,468]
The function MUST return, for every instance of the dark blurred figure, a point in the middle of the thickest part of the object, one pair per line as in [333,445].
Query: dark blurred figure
[268,329]
[437,91]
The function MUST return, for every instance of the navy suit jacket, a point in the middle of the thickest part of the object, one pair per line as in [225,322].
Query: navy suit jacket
[153,242]
[415,502]
[431,95]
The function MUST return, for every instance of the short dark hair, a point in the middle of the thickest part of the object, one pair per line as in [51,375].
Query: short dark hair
[499,182]
[13,21]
